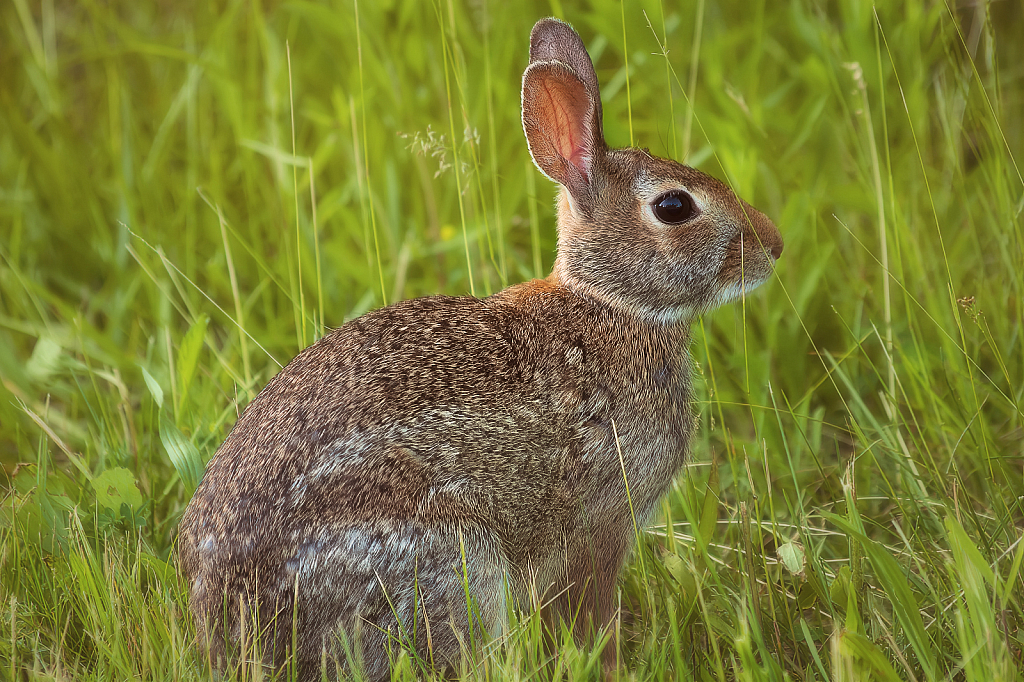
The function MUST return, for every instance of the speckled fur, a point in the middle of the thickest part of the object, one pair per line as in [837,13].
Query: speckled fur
[445,444]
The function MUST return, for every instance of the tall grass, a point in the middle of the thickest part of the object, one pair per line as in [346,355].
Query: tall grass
[192,192]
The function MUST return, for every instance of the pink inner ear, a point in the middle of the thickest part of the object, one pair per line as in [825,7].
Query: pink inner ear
[568,128]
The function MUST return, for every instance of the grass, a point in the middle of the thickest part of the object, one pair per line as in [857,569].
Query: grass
[190,193]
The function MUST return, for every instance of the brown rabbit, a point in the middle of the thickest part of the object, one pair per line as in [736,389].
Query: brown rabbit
[453,447]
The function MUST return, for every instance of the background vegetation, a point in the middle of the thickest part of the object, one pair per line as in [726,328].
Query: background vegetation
[191,192]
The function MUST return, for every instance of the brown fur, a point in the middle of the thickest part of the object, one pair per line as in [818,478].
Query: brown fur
[445,444]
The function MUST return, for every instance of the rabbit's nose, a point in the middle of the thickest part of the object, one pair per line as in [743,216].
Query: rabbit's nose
[776,250]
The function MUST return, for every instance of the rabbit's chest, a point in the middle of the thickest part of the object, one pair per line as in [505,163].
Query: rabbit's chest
[631,418]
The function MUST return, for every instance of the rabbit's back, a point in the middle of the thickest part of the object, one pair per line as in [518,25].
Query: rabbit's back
[381,417]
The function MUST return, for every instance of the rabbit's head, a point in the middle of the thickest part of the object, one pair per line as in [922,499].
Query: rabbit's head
[642,233]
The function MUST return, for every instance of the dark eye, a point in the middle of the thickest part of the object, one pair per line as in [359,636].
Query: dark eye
[674,208]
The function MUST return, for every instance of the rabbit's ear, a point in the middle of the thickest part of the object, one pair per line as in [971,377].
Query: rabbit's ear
[562,106]
[553,40]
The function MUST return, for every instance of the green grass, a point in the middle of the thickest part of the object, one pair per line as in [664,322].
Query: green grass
[190,193]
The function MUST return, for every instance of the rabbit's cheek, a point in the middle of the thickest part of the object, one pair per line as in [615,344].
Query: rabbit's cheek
[699,256]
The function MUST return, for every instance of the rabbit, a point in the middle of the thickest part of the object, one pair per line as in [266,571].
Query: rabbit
[425,470]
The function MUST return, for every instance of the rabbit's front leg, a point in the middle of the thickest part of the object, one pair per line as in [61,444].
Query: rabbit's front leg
[588,598]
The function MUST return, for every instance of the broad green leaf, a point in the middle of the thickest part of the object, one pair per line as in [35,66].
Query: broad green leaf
[153,386]
[964,550]
[853,621]
[188,355]
[115,487]
[709,508]
[840,587]
[44,360]
[869,659]
[183,453]
[684,576]
[791,554]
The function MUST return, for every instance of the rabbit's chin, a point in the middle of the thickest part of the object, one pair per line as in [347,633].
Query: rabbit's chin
[736,290]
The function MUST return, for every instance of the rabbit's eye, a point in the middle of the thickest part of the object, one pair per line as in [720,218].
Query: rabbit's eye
[674,208]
